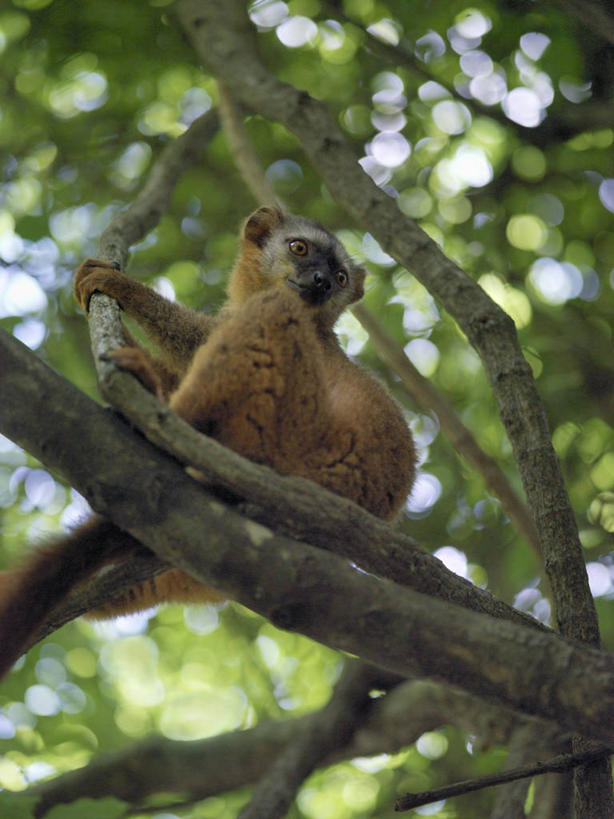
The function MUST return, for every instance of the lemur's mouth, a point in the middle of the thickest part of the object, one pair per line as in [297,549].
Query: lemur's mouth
[312,295]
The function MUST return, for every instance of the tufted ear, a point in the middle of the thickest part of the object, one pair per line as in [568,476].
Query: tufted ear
[261,223]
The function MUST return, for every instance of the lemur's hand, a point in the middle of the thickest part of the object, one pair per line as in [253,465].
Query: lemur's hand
[135,361]
[94,276]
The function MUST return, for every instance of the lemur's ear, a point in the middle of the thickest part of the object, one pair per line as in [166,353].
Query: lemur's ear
[261,223]
[358,279]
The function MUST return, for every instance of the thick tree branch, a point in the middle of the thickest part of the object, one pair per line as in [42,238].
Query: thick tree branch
[297,587]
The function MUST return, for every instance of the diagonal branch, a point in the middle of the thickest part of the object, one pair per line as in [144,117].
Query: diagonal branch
[331,728]
[296,586]
[226,42]
[152,202]
[596,17]
[558,764]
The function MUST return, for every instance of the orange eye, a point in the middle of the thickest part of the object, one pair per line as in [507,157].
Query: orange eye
[298,247]
[342,278]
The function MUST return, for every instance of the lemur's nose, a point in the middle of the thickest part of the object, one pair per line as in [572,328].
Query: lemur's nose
[321,281]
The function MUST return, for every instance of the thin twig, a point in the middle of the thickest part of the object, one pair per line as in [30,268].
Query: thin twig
[558,764]
[152,201]
[242,150]
[593,16]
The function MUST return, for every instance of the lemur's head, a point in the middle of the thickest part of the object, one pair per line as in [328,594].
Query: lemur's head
[279,249]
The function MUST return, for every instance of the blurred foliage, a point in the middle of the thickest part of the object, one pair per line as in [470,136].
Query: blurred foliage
[492,125]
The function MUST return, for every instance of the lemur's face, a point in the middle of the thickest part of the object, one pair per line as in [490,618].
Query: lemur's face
[308,259]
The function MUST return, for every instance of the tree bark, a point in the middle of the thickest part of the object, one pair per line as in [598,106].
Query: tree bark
[296,586]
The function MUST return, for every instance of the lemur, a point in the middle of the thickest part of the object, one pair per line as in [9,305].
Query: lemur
[265,376]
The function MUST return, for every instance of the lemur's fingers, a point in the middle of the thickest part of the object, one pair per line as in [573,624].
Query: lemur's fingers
[96,276]
[135,361]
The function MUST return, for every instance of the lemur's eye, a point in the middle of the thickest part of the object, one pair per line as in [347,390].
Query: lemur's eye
[298,247]
[342,278]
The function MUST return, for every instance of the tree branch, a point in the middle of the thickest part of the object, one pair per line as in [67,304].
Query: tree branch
[242,150]
[593,16]
[192,768]
[144,213]
[525,744]
[558,764]
[294,585]
[329,729]
[225,41]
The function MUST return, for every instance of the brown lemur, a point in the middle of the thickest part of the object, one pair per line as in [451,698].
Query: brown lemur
[265,376]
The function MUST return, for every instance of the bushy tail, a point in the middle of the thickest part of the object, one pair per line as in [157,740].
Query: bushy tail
[28,594]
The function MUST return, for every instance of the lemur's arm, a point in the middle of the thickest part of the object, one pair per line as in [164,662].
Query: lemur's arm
[177,330]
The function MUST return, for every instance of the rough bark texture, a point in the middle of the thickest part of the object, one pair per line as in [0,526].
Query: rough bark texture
[296,586]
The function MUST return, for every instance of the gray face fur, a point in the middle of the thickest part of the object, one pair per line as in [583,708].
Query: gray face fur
[314,274]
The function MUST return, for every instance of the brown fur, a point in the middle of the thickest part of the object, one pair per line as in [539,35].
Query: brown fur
[266,377]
